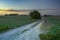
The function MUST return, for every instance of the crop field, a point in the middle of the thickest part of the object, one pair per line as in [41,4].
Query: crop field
[51,29]
[10,22]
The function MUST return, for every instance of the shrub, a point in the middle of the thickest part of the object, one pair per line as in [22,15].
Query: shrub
[35,15]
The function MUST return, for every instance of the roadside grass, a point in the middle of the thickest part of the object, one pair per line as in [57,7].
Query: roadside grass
[53,32]
[10,22]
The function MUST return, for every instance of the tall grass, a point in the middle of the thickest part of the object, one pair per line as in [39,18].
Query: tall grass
[54,31]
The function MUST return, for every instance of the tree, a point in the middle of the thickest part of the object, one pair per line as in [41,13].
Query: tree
[45,15]
[35,15]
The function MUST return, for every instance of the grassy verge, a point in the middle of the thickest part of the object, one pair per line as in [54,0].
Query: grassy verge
[53,30]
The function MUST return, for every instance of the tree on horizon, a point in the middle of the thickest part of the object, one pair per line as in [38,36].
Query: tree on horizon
[35,14]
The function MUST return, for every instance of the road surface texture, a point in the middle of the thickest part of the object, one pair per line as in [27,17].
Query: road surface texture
[27,32]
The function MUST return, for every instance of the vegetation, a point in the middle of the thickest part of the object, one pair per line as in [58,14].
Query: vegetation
[10,22]
[35,15]
[54,31]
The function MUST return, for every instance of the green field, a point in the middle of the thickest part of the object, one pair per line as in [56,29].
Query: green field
[10,22]
[51,29]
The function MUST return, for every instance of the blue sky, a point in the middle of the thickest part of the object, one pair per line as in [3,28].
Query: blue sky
[29,4]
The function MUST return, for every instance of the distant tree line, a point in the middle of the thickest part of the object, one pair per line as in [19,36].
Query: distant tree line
[48,15]
[11,14]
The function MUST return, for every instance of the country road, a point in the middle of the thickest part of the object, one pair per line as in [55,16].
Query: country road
[27,32]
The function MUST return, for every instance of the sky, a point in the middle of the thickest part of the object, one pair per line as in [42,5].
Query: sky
[29,4]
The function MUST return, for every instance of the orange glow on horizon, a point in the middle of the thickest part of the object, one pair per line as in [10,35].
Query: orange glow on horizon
[3,12]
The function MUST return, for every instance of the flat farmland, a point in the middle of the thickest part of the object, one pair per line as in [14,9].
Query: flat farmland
[10,22]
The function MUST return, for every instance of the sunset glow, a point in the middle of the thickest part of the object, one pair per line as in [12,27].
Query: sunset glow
[6,5]
[3,12]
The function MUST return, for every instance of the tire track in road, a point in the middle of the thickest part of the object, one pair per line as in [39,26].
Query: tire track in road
[32,34]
